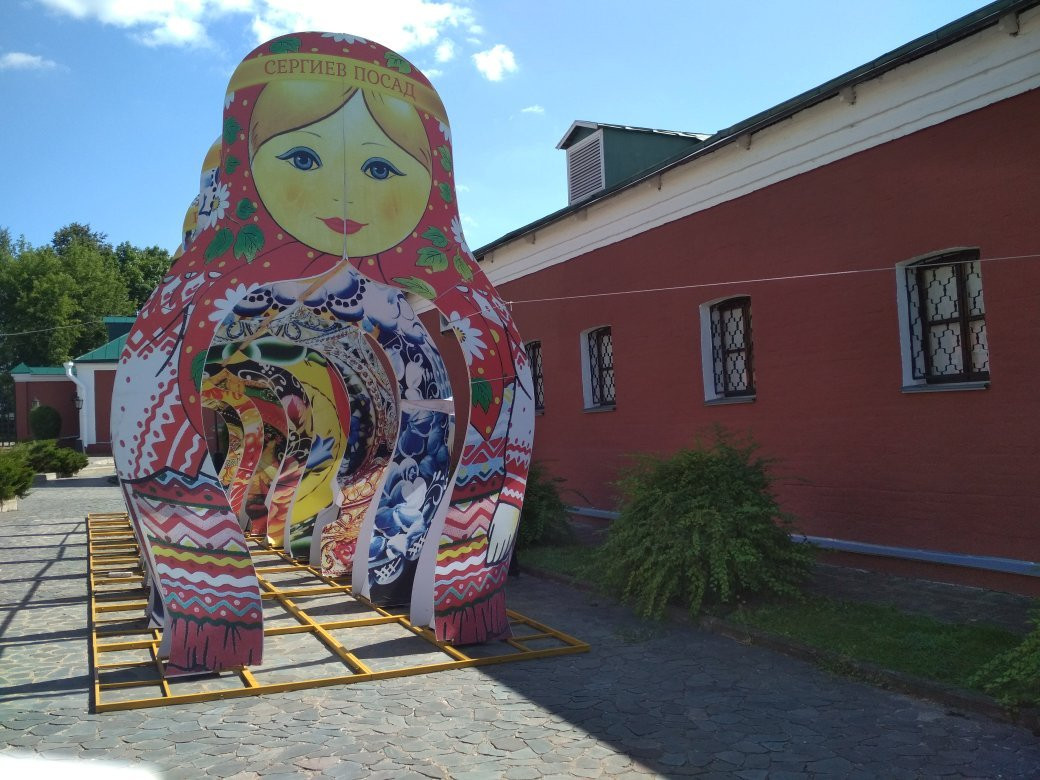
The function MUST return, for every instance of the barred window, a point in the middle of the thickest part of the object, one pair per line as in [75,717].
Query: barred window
[534,355]
[598,368]
[946,319]
[731,348]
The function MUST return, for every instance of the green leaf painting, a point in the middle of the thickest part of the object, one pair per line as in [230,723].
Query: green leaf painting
[230,164]
[436,237]
[397,62]
[480,391]
[446,194]
[249,242]
[245,208]
[221,243]
[198,364]
[463,267]
[231,128]
[444,155]
[433,258]
[416,286]
[285,46]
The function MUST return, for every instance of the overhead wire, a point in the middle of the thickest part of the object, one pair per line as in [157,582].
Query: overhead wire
[758,280]
[640,291]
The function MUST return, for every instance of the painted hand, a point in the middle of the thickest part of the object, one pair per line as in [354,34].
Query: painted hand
[502,533]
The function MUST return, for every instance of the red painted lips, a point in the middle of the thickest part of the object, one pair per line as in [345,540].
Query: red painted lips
[344,226]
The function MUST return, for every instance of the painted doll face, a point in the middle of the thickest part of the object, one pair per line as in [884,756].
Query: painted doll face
[342,178]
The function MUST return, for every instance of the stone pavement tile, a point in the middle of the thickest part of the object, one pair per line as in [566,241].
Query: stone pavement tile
[649,700]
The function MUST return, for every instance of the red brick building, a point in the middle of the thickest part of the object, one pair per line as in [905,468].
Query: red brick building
[81,391]
[853,277]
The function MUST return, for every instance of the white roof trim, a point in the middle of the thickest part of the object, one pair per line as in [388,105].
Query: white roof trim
[970,74]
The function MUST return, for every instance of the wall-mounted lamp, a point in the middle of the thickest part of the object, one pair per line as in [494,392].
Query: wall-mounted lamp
[77,402]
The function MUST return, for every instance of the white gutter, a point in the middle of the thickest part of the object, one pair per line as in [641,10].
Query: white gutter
[81,391]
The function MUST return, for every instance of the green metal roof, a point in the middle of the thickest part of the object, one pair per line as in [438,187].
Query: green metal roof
[118,326]
[22,368]
[108,353]
[966,26]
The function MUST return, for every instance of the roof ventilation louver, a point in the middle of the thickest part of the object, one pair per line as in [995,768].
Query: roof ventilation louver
[585,172]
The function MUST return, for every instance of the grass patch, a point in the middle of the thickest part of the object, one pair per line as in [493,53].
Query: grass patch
[884,636]
[572,560]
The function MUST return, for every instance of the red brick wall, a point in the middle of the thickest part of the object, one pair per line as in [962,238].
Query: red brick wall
[860,459]
[103,382]
[57,393]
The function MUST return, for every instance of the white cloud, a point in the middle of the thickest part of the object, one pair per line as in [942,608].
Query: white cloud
[532,110]
[445,51]
[18,60]
[496,62]
[400,24]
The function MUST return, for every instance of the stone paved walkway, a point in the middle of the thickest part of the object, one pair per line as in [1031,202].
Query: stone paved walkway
[664,700]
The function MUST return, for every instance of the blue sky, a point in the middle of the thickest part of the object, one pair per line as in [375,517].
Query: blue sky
[110,105]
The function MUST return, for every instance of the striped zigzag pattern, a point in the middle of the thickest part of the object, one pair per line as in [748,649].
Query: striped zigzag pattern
[469,600]
[465,521]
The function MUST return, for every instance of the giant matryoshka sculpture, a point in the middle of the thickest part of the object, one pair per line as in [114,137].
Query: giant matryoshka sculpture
[335,198]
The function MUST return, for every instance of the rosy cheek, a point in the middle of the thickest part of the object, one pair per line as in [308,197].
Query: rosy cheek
[295,195]
[390,209]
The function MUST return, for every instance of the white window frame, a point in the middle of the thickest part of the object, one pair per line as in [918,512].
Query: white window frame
[536,375]
[711,396]
[586,372]
[910,383]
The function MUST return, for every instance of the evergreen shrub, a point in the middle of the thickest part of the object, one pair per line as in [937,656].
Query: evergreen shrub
[699,526]
[45,422]
[543,519]
[16,475]
[1013,677]
[45,456]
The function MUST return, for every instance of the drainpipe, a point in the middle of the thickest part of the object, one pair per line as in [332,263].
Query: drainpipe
[984,562]
[81,391]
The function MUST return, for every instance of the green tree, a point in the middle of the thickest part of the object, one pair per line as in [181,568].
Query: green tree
[6,246]
[98,290]
[38,311]
[141,269]
[53,298]
[77,233]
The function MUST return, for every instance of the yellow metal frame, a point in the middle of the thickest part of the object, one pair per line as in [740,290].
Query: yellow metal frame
[116,583]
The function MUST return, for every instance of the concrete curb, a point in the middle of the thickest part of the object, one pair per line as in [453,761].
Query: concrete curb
[948,696]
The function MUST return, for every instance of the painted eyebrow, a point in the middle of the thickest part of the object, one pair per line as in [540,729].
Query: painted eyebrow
[374,143]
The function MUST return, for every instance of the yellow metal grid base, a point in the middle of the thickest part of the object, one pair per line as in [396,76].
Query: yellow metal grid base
[378,643]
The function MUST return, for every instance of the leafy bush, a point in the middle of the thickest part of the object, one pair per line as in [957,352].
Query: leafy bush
[44,422]
[701,525]
[1013,677]
[44,456]
[543,519]
[16,475]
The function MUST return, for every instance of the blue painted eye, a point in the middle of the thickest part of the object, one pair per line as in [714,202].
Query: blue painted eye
[302,158]
[379,169]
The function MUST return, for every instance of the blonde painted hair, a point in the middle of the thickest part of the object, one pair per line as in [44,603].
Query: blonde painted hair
[286,105]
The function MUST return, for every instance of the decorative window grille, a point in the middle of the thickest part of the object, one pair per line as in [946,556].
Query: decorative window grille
[585,173]
[947,318]
[601,366]
[731,349]
[534,355]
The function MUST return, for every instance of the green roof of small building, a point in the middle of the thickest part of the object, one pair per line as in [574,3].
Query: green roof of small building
[118,326]
[107,353]
[22,368]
